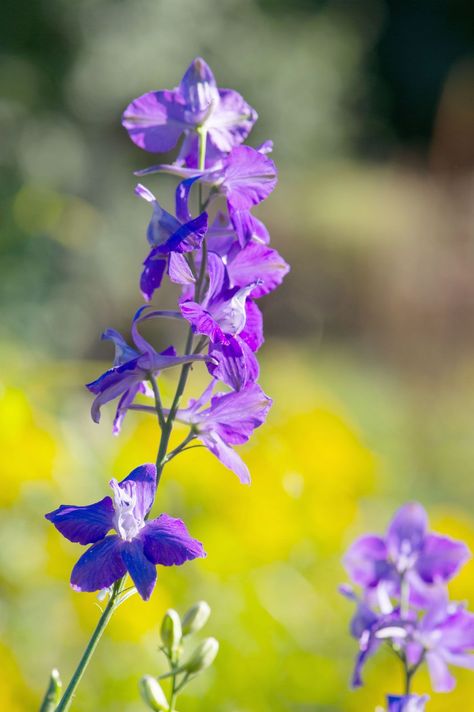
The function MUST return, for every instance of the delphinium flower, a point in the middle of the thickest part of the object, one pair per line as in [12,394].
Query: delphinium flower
[221,263]
[404,602]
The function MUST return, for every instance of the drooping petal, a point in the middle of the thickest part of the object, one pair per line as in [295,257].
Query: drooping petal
[366,561]
[124,404]
[179,271]
[139,566]
[441,678]
[167,542]
[257,263]
[249,228]
[226,455]
[155,120]
[83,525]
[112,384]
[123,352]
[100,566]
[441,558]
[202,322]
[151,276]
[162,224]
[144,479]
[407,531]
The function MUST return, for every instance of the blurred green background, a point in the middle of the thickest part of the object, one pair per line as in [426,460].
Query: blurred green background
[369,354]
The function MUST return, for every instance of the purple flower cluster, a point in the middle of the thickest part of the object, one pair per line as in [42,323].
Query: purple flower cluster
[217,253]
[404,601]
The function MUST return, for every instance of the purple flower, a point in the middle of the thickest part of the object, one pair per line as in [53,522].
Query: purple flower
[444,636]
[408,550]
[229,420]
[132,368]
[169,236]
[406,703]
[138,546]
[156,120]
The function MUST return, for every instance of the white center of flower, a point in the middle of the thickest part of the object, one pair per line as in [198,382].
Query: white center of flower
[127,522]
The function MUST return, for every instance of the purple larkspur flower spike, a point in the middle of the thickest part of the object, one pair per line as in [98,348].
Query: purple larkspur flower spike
[138,545]
[157,120]
[229,420]
[132,368]
[406,703]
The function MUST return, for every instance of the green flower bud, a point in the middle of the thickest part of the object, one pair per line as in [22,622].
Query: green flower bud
[53,693]
[196,618]
[171,631]
[203,656]
[152,693]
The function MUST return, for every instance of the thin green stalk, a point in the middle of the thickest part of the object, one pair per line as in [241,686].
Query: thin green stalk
[158,404]
[91,646]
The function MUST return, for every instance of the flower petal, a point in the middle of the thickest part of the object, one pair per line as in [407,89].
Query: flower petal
[83,525]
[257,263]
[155,120]
[151,276]
[234,363]
[144,479]
[366,560]
[441,558]
[407,530]
[167,542]
[441,678]
[140,568]
[226,455]
[249,178]
[99,567]
[234,416]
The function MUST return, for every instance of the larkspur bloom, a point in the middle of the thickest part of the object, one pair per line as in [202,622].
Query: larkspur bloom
[408,550]
[139,544]
[132,368]
[157,120]
[229,420]
[406,703]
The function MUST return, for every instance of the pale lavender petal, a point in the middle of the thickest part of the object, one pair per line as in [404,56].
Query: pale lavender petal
[407,530]
[249,228]
[198,87]
[202,322]
[155,120]
[252,333]
[123,352]
[83,525]
[441,678]
[168,542]
[441,558]
[178,269]
[234,416]
[139,566]
[366,560]
[100,566]
[144,479]
[257,263]
[231,120]
[226,455]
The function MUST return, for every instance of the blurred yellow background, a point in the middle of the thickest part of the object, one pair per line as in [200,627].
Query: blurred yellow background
[369,354]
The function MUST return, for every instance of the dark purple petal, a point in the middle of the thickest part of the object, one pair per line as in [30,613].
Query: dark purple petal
[162,224]
[441,558]
[407,531]
[168,542]
[252,333]
[366,561]
[257,262]
[182,199]
[249,178]
[155,120]
[187,237]
[151,276]
[83,525]
[144,478]
[113,384]
[140,568]
[234,363]
[226,455]
[406,703]
[100,566]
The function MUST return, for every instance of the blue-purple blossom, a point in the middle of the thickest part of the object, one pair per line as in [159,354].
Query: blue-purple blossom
[423,558]
[139,544]
[157,120]
[406,703]
[132,368]
[229,420]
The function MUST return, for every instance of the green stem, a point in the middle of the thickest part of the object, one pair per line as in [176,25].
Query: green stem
[158,404]
[91,646]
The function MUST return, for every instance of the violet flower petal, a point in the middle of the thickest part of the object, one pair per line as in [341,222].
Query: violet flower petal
[441,558]
[139,566]
[83,525]
[168,542]
[100,566]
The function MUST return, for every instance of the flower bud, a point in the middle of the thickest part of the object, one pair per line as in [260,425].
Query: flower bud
[203,656]
[196,618]
[171,631]
[152,693]
[53,693]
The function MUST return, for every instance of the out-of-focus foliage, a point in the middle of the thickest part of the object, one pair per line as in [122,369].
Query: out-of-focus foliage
[369,354]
